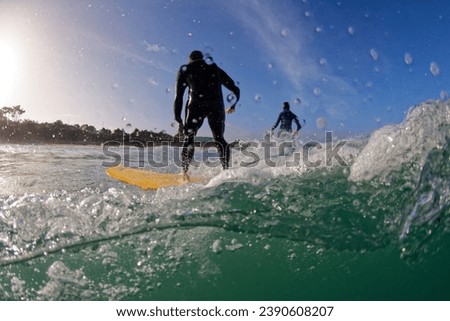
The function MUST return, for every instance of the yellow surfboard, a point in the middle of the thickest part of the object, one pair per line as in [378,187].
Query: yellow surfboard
[148,179]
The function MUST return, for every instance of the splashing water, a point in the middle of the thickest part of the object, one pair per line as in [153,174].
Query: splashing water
[68,232]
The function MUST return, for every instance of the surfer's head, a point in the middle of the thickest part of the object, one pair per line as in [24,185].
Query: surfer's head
[195,55]
[286,106]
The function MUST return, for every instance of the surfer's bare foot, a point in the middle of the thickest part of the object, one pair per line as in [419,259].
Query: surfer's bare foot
[186,176]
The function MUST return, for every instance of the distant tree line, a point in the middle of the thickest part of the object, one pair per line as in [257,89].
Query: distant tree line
[13,130]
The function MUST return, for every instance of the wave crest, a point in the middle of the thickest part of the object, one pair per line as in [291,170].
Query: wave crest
[408,144]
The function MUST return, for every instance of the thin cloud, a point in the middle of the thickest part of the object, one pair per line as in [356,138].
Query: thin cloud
[120,50]
[152,81]
[281,43]
[154,47]
[286,47]
[136,57]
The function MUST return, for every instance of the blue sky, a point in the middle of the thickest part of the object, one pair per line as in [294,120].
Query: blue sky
[354,65]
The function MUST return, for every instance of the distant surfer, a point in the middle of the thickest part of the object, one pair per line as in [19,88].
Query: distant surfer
[205,100]
[285,119]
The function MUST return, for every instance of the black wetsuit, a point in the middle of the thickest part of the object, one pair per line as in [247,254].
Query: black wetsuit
[205,101]
[285,118]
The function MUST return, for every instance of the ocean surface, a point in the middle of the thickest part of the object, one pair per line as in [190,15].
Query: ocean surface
[368,219]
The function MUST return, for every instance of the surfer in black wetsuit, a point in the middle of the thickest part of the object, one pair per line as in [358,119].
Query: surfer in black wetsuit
[285,118]
[205,100]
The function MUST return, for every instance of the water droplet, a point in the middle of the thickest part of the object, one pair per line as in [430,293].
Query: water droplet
[297,101]
[115,86]
[322,61]
[434,69]
[183,68]
[351,30]
[319,29]
[231,97]
[124,118]
[316,91]
[408,58]
[207,55]
[257,98]
[308,13]
[369,84]
[444,95]
[168,90]
[321,122]
[270,65]
[284,33]
[374,54]
[128,128]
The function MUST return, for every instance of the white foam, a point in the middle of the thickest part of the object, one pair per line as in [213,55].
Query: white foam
[409,142]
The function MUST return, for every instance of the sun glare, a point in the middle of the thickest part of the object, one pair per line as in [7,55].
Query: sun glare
[8,72]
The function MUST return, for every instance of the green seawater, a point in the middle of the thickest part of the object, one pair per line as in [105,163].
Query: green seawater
[285,271]
[343,245]
[377,229]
